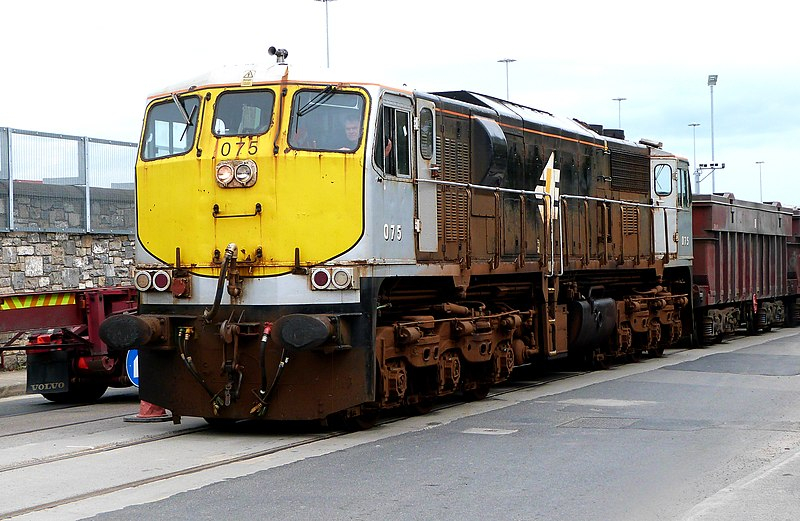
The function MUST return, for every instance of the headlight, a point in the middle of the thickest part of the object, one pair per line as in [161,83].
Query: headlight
[236,173]
[224,174]
[244,174]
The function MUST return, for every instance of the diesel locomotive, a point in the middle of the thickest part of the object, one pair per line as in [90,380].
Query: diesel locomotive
[311,246]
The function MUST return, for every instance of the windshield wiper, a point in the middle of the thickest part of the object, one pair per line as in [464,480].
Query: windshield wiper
[181,109]
[186,117]
[316,101]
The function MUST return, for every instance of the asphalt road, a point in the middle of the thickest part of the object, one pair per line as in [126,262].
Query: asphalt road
[709,434]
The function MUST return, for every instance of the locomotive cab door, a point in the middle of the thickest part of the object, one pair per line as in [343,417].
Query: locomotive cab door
[665,199]
[685,246]
[426,220]
[393,158]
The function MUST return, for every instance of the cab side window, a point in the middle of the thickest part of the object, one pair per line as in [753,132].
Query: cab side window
[426,133]
[392,146]
[684,189]
[663,179]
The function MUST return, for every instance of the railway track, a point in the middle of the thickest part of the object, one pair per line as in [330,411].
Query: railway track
[247,442]
[136,456]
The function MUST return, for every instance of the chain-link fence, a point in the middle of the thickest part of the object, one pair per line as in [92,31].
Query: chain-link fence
[53,182]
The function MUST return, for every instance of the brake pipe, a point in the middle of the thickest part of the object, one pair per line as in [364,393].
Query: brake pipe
[230,253]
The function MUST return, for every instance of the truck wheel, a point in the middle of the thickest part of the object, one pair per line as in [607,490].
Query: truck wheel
[87,393]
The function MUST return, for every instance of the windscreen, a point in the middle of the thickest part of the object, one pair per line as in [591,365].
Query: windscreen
[326,120]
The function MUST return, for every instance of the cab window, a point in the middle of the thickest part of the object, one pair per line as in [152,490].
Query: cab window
[392,144]
[663,179]
[426,133]
[326,120]
[243,113]
[684,188]
[166,131]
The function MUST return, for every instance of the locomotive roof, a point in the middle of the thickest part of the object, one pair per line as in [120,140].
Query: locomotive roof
[266,73]
[529,114]
[262,73]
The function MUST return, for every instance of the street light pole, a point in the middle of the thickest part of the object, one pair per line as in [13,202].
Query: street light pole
[619,111]
[694,158]
[327,37]
[760,191]
[712,80]
[507,61]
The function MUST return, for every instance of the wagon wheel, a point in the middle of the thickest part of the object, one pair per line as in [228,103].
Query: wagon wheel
[750,323]
[790,318]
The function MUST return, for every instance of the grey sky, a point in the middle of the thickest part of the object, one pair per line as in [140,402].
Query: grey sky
[86,67]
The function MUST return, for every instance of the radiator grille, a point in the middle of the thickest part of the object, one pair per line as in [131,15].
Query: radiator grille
[630,172]
[630,221]
[451,202]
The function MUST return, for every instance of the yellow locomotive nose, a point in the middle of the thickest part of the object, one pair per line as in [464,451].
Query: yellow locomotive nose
[250,179]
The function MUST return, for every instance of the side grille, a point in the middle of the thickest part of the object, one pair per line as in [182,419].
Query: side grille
[452,202]
[630,221]
[630,172]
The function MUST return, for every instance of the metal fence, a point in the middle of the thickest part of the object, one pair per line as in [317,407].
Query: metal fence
[54,182]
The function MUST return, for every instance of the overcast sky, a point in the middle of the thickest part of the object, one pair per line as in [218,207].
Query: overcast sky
[86,67]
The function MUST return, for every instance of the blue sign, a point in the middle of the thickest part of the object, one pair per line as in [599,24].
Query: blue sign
[132,366]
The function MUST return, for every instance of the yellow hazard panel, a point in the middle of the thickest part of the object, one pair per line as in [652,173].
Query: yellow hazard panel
[254,190]
[36,301]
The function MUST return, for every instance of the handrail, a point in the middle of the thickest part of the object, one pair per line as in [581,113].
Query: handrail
[605,233]
[548,255]
[639,236]
[523,246]
[468,187]
[622,205]
[498,233]
[588,240]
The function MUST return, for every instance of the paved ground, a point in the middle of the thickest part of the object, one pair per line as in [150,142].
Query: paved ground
[12,383]
[705,435]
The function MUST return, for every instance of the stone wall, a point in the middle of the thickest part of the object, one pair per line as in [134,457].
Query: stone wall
[48,261]
[45,261]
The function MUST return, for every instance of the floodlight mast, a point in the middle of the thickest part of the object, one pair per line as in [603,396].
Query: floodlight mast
[694,159]
[619,111]
[507,61]
[327,37]
[712,80]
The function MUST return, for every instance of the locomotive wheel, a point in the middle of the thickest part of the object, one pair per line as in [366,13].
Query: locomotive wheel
[362,422]
[220,423]
[423,406]
[477,393]
[657,352]
[86,393]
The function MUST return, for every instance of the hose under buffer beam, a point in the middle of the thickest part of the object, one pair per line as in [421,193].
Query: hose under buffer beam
[230,257]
